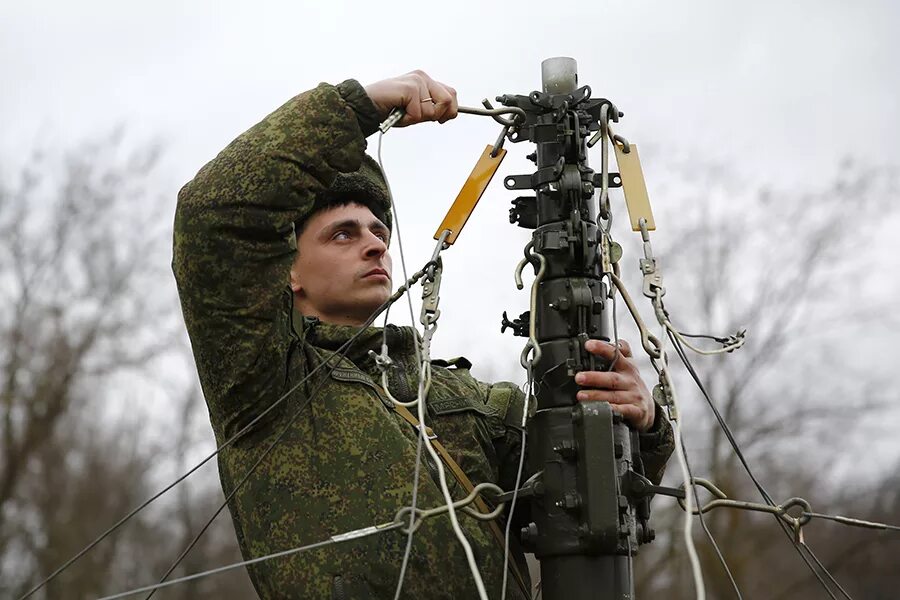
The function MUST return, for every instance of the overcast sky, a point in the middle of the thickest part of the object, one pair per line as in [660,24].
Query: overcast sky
[780,90]
[785,86]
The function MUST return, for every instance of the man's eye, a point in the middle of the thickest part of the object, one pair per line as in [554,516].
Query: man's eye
[341,235]
[383,237]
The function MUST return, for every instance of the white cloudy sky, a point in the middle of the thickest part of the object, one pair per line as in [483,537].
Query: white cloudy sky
[782,90]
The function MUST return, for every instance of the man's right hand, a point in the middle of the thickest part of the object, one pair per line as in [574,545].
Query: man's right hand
[423,98]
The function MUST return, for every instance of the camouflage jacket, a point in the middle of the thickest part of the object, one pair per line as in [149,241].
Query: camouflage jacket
[341,457]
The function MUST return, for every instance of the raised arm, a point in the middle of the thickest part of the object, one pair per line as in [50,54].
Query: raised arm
[234,239]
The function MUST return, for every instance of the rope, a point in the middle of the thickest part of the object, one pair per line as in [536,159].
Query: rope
[346,346]
[398,522]
[429,321]
[226,443]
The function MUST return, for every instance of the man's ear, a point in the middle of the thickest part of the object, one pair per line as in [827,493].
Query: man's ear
[295,279]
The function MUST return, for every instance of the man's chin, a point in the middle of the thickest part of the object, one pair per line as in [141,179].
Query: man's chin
[373,301]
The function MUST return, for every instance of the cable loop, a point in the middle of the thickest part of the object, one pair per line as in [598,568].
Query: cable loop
[464,504]
[509,125]
[779,510]
[398,523]
[494,113]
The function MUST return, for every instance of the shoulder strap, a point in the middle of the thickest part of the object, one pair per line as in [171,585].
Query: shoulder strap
[466,483]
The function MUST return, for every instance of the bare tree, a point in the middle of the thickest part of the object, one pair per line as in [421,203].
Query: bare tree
[793,268]
[74,266]
[84,320]
[192,508]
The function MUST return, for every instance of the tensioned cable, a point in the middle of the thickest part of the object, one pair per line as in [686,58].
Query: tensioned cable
[709,534]
[683,356]
[512,510]
[666,379]
[725,428]
[236,488]
[613,299]
[269,449]
[420,438]
[853,522]
[226,443]
[246,476]
[648,267]
[425,369]
[422,514]
[699,585]
[360,533]
[740,455]
[844,521]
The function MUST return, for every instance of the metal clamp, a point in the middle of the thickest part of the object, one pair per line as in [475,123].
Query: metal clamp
[431,287]
[431,297]
[653,281]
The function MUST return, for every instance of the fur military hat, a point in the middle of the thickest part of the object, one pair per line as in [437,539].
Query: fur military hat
[364,186]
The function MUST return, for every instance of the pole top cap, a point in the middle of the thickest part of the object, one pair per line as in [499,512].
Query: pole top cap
[559,75]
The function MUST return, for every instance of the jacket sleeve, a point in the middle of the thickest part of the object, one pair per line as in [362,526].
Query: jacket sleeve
[234,242]
[657,446]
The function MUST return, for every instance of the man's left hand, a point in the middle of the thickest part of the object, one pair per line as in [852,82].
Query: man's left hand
[621,387]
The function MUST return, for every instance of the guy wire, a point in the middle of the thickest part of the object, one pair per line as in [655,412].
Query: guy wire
[335,539]
[512,506]
[740,455]
[682,461]
[224,444]
[419,441]
[664,372]
[662,317]
[354,534]
[442,476]
[241,483]
[271,447]
[709,534]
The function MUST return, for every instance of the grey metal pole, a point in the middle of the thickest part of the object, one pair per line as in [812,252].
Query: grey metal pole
[584,528]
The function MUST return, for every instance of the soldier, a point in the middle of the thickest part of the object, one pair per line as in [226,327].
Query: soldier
[281,253]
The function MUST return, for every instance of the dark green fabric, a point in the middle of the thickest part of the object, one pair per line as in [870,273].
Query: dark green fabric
[345,459]
[366,185]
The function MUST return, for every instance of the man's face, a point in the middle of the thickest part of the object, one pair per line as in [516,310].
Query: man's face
[342,272]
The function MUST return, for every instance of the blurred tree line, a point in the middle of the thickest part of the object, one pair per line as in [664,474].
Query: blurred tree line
[84,326]
[803,271]
[86,322]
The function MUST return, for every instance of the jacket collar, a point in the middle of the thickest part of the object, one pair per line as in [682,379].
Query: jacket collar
[400,340]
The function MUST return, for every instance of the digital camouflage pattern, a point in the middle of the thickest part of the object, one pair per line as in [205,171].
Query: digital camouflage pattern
[345,460]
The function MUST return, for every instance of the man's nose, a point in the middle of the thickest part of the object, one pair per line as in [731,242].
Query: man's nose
[375,246]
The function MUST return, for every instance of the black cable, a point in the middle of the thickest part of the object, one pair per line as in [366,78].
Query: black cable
[152,499]
[227,442]
[244,479]
[806,547]
[341,352]
[687,363]
[709,534]
[245,563]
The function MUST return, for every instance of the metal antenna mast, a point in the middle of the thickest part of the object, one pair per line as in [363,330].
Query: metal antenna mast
[586,525]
